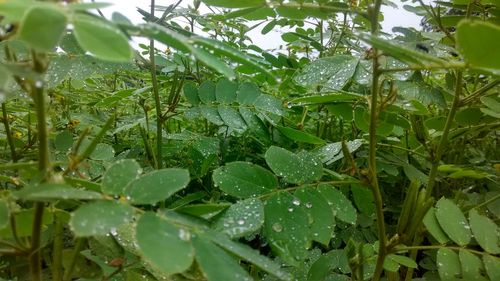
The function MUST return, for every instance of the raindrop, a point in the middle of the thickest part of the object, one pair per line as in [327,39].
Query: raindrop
[277,227]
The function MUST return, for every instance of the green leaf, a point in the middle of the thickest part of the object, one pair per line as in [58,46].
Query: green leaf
[214,62]
[492,266]
[54,191]
[232,118]
[406,55]
[103,151]
[166,247]
[243,218]
[243,180]
[63,141]
[472,266]
[101,38]
[485,232]
[119,175]
[248,93]
[191,93]
[286,227]
[325,98]
[432,225]
[425,94]
[4,214]
[299,136]
[215,263]
[224,49]
[294,168]
[363,198]
[333,260]
[234,3]
[156,186]
[42,27]
[453,221]
[332,152]
[225,91]
[100,218]
[205,211]
[341,207]
[479,44]
[333,73]
[13,11]
[206,92]
[448,265]
[269,104]
[319,212]
[120,95]
[252,256]
[211,114]
[403,260]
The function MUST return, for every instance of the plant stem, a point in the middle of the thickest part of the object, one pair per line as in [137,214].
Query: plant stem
[10,141]
[57,250]
[444,137]
[373,13]
[436,157]
[159,119]
[68,273]
[38,95]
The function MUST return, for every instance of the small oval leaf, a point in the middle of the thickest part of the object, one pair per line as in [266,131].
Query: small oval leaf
[163,245]
[156,186]
[100,218]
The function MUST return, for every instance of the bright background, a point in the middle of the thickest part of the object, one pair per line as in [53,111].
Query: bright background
[392,17]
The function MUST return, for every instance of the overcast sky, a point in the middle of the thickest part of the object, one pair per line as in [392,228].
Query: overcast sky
[392,17]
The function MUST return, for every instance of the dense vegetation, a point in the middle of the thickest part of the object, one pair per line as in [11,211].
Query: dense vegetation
[350,154]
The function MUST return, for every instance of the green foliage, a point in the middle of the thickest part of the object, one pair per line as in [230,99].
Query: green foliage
[220,160]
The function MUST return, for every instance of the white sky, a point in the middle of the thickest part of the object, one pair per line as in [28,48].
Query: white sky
[392,17]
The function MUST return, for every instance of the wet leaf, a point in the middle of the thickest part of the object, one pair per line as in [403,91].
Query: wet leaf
[225,91]
[472,266]
[243,180]
[248,93]
[322,221]
[54,191]
[341,207]
[252,256]
[286,227]
[119,175]
[156,186]
[448,265]
[485,232]
[333,73]
[100,218]
[166,247]
[232,118]
[242,218]
[453,221]
[215,263]
[294,168]
[103,151]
